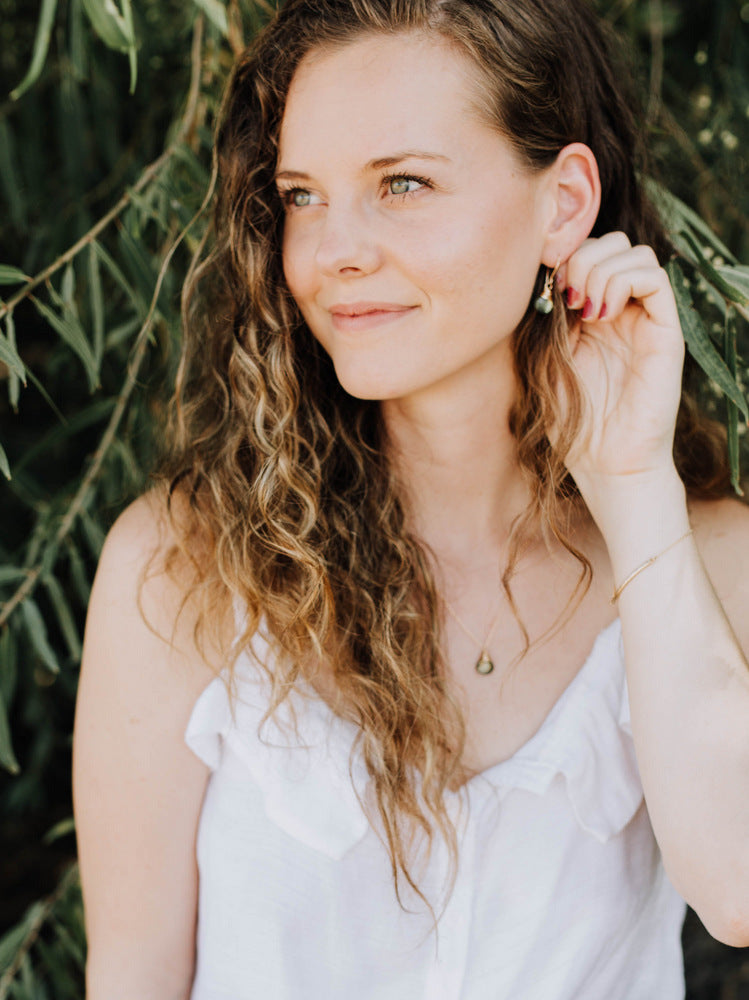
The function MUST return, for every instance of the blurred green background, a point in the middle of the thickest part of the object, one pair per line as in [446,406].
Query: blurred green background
[106,115]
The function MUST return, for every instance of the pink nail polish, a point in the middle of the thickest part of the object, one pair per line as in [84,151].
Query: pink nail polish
[604,311]
[572,294]
[587,309]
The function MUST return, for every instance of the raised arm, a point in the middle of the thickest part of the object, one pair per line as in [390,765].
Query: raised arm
[685,621]
[137,788]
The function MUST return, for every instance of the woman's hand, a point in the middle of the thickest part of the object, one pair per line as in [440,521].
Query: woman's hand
[628,351]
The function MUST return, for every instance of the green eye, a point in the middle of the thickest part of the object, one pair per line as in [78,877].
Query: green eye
[300,198]
[399,185]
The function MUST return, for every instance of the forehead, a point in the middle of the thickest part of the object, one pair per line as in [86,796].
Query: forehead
[379,92]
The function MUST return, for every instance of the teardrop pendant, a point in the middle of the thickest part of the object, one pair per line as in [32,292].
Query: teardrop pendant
[484,664]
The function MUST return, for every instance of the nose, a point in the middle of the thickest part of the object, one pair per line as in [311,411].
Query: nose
[348,243]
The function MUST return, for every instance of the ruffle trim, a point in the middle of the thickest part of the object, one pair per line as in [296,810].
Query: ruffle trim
[309,792]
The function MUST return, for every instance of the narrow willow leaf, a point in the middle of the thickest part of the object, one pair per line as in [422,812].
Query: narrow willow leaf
[11,574]
[92,533]
[71,331]
[729,346]
[37,632]
[738,278]
[41,45]
[97,305]
[7,757]
[9,355]
[698,341]
[679,217]
[108,23]
[12,941]
[726,288]
[8,664]
[215,12]
[12,275]
[78,574]
[4,465]
[64,616]
[14,379]
[67,285]
[9,177]
[132,53]
[78,47]
[61,829]
[119,278]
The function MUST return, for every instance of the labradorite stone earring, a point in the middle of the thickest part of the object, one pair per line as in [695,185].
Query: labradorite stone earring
[544,303]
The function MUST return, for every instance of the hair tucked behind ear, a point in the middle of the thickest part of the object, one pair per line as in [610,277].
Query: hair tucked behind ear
[284,478]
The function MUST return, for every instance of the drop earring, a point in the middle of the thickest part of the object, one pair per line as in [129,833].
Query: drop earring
[544,304]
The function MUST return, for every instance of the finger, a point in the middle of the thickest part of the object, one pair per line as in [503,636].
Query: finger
[590,253]
[602,272]
[649,287]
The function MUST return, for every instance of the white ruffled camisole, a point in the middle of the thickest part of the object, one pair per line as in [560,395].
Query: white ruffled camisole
[560,893]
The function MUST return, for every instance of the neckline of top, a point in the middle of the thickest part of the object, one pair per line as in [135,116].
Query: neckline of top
[520,757]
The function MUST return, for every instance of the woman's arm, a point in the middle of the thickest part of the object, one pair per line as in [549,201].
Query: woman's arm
[137,788]
[685,646]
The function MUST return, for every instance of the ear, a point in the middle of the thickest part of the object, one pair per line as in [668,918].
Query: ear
[574,192]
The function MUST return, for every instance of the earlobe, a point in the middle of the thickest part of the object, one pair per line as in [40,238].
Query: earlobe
[575,193]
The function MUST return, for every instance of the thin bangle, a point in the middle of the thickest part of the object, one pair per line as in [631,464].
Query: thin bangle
[649,562]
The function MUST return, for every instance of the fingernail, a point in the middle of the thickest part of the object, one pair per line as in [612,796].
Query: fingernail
[604,310]
[572,295]
[587,309]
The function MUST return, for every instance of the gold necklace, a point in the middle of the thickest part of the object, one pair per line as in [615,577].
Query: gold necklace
[484,664]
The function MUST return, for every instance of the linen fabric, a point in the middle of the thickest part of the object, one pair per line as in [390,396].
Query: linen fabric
[560,892]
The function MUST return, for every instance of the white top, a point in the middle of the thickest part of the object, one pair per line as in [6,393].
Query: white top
[560,895]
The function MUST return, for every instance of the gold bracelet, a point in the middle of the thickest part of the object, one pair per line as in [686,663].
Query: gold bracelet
[649,562]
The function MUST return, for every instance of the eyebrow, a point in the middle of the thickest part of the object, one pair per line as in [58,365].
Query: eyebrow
[378,164]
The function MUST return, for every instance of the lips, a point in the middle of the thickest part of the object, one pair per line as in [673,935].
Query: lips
[358,316]
[364,308]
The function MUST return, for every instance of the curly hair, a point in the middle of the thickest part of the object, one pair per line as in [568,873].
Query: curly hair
[288,487]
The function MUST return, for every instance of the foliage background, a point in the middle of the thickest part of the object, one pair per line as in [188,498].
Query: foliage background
[104,163]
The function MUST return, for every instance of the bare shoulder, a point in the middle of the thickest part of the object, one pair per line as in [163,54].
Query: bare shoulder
[137,787]
[721,530]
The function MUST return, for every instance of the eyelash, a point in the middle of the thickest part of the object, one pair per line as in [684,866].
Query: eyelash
[286,194]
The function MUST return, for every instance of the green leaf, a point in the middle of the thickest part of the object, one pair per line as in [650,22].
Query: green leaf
[61,829]
[64,616]
[698,341]
[726,288]
[109,24]
[8,665]
[12,275]
[92,533]
[14,380]
[12,941]
[216,14]
[737,277]
[11,574]
[97,304]
[78,573]
[9,356]
[4,466]
[71,331]
[132,52]
[678,217]
[729,344]
[7,757]
[37,632]
[116,274]
[41,45]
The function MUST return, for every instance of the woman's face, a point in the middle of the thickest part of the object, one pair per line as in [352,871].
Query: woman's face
[412,234]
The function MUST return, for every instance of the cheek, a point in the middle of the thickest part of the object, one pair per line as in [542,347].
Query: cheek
[297,264]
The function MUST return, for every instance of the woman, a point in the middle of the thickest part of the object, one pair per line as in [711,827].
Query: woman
[424,430]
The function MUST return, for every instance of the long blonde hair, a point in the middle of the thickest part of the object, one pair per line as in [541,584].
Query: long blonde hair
[289,490]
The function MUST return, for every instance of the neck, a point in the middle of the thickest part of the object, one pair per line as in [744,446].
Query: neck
[454,453]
